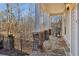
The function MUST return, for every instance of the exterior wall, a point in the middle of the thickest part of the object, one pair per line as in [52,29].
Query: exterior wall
[78,28]
[74,31]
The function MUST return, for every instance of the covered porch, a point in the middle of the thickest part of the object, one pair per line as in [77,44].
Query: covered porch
[48,37]
[55,31]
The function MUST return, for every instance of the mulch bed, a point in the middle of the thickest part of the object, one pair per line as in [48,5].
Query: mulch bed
[12,52]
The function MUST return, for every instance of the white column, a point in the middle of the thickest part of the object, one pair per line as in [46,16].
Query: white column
[67,19]
[37,18]
[50,21]
[69,28]
[63,26]
[46,21]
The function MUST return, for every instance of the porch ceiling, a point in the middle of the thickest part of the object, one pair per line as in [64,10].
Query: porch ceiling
[56,8]
[53,8]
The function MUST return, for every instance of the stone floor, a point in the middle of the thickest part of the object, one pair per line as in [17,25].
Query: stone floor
[57,52]
[58,47]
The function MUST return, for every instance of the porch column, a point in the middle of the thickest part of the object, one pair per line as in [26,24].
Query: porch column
[36,33]
[67,35]
[46,24]
[69,28]
[37,18]
[50,21]
[69,43]
[63,26]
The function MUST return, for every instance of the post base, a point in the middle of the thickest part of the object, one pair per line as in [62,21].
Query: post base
[50,31]
[36,40]
[46,35]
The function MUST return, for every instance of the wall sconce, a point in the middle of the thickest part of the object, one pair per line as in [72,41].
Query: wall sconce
[68,7]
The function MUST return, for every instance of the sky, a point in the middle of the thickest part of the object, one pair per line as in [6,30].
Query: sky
[2,6]
[24,7]
[55,18]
